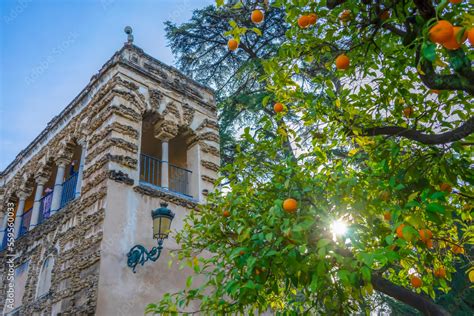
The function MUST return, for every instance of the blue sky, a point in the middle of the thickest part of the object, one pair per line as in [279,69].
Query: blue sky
[51,48]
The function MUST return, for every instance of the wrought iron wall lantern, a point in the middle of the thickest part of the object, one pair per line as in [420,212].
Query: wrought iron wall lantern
[162,218]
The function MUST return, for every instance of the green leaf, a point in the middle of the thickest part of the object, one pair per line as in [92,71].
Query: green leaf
[428,51]
[189,281]
[366,274]
[436,208]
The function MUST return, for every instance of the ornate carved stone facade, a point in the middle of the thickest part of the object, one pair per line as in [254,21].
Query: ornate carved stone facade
[100,138]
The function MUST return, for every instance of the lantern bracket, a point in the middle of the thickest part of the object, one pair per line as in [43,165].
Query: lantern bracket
[139,255]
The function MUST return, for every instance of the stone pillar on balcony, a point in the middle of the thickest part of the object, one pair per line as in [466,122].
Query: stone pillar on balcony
[81,169]
[22,195]
[3,228]
[165,131]
[58,185]
[40,182]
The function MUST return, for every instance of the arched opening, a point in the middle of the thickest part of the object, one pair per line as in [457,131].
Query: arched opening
[28,208]
[163,162]
[44,277]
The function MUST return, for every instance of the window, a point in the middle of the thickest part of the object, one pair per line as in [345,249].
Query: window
[44,278]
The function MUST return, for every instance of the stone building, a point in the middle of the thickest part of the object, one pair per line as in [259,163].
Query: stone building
[80,196]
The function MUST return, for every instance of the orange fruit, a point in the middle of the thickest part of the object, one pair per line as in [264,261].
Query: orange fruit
[226,213]
[304,21]
[242,252]
[232,44]
[441,32]
[429,244]
[425,234]
[399,230]
[455,1]
[342,62]
[435,91]
[452,43]
[312,18]
[384,15]
[440,272]
[290,205]
[278,107]
[408,112]
[345,16]
[457,249]
[256,16]
[446,187]
[387,216]
[470,36]
[416,282]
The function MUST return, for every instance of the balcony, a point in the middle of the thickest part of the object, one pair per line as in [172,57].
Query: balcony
[150,173]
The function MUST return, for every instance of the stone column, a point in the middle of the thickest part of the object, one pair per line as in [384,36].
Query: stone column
[58,185]
[165,131]
[164,164]
[19,212]
[40,182]
[3,228]
[80,171]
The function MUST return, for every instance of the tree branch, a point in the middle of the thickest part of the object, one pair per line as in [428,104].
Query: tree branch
[420,302]
[429,139]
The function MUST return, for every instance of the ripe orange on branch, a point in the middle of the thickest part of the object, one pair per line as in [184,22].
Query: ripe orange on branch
[290,206]
[416,282]
[345,16]
[342,62]
[232,44]
[441,32]
[278,107]
[399,230]
[440,272]
[304,21]
[457,250]
[256,16]
[446,187]
[312,18]
[226,213]
[470,36]
[425,234]
[453,43]
[408,112]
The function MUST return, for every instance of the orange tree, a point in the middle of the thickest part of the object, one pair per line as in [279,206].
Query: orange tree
[380,171]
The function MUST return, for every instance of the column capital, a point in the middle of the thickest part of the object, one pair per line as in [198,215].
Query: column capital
[62,161]
[23,195]
[166,130]
[41,179]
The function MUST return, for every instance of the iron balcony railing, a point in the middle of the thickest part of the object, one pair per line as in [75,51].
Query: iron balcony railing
[150,172]
[25,221]
[69,190]
[4,241]
[45,207]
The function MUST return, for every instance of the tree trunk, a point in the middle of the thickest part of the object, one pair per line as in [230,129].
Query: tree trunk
[417,301]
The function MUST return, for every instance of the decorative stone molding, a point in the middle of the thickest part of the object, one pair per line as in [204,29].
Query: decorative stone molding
[171,113]
[120,177]
[210,165]
[210,136]
[166,130]
[155,98]
[188,114]
[209,149]
[208,179]
[207,123]
[166,196]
